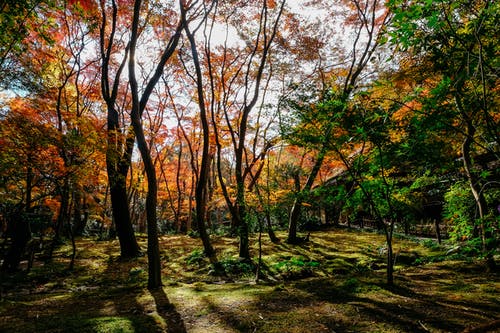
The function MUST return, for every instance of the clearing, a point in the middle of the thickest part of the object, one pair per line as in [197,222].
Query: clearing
[335,282]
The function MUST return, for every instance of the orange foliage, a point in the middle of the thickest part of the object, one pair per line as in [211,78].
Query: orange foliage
[403,115]
[88,6]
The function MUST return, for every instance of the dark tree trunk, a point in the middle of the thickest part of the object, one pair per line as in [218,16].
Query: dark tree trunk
[118,152]
[121,218]
[204,170]
[438,230]
[154,265]
[19,230]
[270,231]
[80,214]
[473,182]
[244,248]
[390,258]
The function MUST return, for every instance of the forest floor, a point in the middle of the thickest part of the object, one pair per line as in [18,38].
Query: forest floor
[335,282]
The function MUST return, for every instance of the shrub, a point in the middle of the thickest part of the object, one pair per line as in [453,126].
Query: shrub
[197,257]
[296,267]
[234,266]
[459,211]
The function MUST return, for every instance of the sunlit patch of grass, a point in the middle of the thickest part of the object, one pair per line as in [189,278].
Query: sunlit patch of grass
[105,324]
[459,285]
[110,324]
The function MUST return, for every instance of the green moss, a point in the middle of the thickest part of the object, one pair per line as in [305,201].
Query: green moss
[335,282]
[108,324]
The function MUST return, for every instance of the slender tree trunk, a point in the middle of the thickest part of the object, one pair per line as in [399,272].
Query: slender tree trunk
[259,262]
[473,182]
[381,225]
[297,204]
[73,248]
[390,253]
[438,231]
[180,193]
[202,179]
[189,222]
[154,265]
[267,213]
[475,187]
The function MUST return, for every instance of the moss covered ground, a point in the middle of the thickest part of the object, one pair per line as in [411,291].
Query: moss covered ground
[335,282]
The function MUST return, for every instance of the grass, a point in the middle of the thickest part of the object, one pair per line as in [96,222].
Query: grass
[333,283]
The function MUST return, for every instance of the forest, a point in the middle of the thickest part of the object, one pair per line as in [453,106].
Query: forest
[249,166]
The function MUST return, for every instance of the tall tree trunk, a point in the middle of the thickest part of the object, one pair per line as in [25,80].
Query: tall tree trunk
[118,164]
[204,170]
[118,153]
[474,183]
[154,265]
[180,192]
[475,187]
[138,107]
[267,213]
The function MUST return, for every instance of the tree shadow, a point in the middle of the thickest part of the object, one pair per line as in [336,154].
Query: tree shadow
[168,312]
[408,309]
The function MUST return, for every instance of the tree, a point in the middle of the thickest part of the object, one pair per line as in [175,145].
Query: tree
[236,89]
[228,76]
[119,144]
[29,157]
[454,40]
[204,169]
[138,106]
[368,21]
[22,26]
[60,101]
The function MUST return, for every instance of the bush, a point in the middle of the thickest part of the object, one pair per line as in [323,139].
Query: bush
[197,257]
[459,211]
[234,266]
[351,285]
[296,267]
